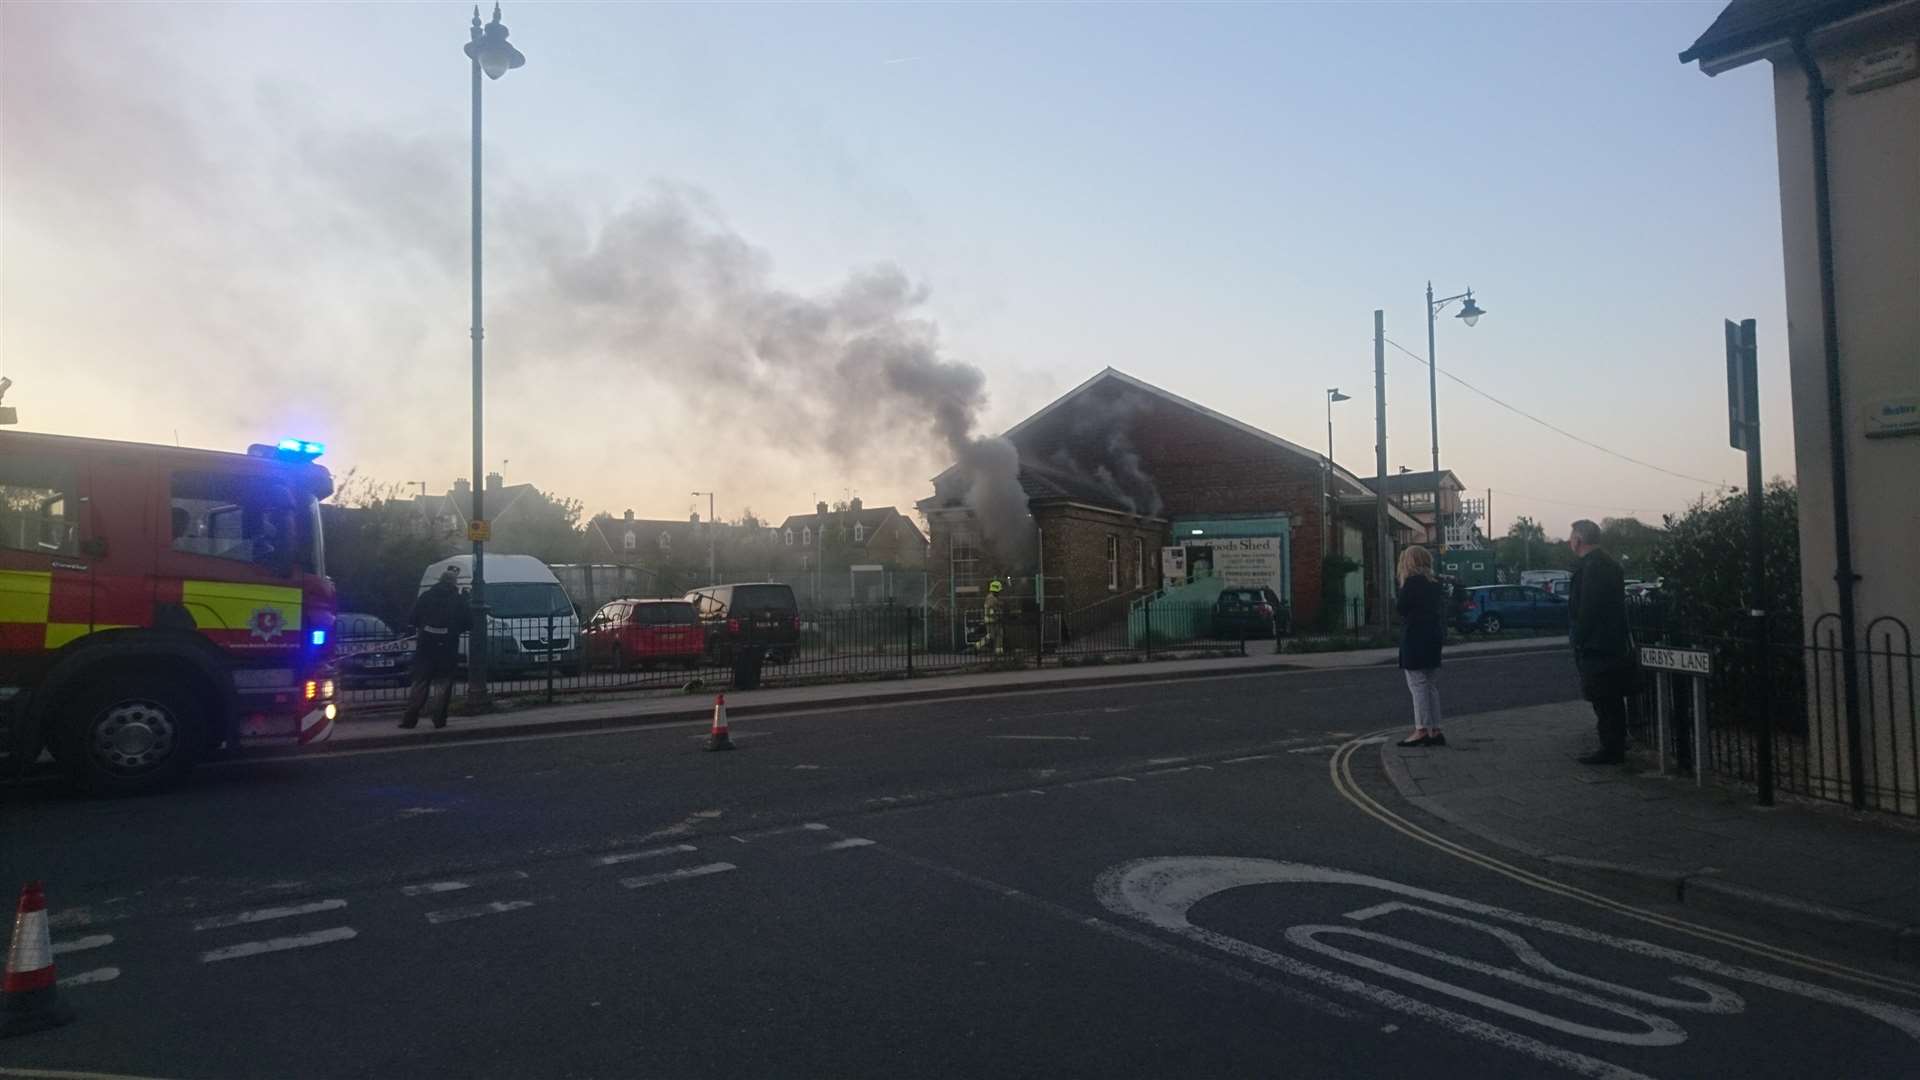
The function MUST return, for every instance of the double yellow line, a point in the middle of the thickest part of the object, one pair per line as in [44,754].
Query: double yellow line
[1340,769]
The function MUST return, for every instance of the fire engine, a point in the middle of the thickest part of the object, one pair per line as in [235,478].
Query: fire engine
[159,605]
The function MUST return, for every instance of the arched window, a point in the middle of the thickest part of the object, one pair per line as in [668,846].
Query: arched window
[666,541]
[859,533]
[806,536]
[789,537]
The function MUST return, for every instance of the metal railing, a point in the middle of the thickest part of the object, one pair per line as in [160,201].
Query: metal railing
[1809,737]
[546,658]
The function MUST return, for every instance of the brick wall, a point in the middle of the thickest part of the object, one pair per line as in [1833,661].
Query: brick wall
[1202,466]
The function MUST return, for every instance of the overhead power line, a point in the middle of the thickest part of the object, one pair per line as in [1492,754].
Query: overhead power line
[1556,428]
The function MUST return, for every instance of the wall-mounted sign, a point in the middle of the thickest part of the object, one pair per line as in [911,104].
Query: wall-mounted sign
[1883,67]
[1894,416]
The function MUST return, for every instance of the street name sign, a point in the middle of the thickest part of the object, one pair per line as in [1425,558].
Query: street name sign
[1684,661]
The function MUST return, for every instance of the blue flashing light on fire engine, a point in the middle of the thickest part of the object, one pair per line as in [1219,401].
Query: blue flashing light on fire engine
[289,450]
[319,637]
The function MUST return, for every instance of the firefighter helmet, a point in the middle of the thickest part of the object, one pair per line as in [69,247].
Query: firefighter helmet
[994,585]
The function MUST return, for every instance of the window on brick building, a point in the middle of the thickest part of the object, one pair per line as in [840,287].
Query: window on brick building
[964,560]
[806,536]
[1139,564]
[789,537]
[1113,563]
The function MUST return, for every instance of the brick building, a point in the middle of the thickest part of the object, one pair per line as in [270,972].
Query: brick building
[1119,471]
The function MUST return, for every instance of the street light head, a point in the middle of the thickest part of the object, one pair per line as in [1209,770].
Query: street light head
[489,47]
[1470,312]
[1336,395]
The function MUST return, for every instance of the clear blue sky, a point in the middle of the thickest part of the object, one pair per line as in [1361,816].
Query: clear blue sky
[249,220]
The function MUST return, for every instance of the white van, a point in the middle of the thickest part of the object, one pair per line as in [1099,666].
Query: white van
[523,600]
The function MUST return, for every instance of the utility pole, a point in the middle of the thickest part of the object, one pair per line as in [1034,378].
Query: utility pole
[1382,545]
[713,576]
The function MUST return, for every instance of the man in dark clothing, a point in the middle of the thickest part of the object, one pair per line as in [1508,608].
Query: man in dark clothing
[439,618]
[1602,642]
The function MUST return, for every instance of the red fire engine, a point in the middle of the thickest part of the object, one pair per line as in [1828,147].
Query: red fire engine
[160,604]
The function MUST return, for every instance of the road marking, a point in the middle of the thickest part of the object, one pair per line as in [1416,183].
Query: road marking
[798,767]
[416,811]
[849,842]
[1165,760]
[71,918]
[649,853]
[242,918]
[1045,738]
[815,826]
[1340,769]
[1251,757]
[431,888]
[88,978]
[497,907]
[91,941]
[676,875]
[1315,749]
[300,941]
[66,1074]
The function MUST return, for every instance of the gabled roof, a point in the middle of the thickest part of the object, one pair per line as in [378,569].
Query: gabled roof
[1402,483]
[499,503]
[870,519]
[1115,375]
[1747,29]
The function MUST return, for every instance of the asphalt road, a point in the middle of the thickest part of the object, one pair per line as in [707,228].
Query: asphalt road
[1144,880]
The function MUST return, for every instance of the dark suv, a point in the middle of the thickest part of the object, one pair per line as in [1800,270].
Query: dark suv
[763,615]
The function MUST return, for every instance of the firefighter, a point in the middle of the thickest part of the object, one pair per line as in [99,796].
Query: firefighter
[990,615]
[439,618]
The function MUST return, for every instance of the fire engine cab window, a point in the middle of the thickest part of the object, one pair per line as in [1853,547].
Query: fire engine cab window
[37,508]
[245,519]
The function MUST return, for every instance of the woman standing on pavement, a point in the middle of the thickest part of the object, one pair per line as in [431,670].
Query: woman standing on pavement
[1420,605]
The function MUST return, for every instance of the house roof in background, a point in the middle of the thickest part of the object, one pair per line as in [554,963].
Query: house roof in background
[1746,26]
[1401,483]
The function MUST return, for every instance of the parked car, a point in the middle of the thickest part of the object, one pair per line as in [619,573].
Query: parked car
[1493,608]
[644,634]
[370,652]
[1247,613]
[524,599]
[759,614]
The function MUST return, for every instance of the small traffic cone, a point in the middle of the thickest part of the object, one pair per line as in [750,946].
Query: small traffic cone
[718,739]
[30,998]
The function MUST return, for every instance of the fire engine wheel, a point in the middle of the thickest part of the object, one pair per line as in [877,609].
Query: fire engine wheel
[125,738]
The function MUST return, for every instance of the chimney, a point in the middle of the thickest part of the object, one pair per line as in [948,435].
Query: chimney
[495,481]
[693,519]
[820,509]
[461,488]
[629,515]
[855,504]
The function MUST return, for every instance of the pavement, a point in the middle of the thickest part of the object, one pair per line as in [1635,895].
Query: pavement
[359,729]
[1813,871]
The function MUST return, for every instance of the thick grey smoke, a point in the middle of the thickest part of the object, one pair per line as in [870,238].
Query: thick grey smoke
[1100,448]
[665,286]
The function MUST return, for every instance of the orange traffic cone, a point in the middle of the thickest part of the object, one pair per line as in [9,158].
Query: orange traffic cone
[30,997]
[718,739]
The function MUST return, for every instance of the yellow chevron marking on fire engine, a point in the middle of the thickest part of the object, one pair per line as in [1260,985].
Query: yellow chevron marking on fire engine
[25,595]
[61,633]
[232,606]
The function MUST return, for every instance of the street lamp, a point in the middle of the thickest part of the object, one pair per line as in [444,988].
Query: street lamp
[713,576]
[1469,313]
[1326,476]
[488,49]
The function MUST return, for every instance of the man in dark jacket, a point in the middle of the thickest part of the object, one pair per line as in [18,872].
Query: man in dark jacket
[1602,642]
[439,618]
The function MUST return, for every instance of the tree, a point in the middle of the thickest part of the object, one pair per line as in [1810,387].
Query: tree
[542,526]
[1702,560]
[1526,547]
[377,545]
[1633,542]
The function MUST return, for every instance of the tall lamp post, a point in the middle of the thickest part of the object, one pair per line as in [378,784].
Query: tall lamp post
[713,576]
[488,49]
[1326,478]
[1469,313]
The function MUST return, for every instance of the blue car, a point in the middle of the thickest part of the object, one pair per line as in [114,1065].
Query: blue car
[1494,608]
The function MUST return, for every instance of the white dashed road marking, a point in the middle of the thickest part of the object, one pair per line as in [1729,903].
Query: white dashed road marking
[1045,738]
[430,888]
[242,918]
[88,978]
[849,842]
[1165,760]
[91,941]
[495,908]
[1314,749]
[298,941]
[676,875]
[649,853]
